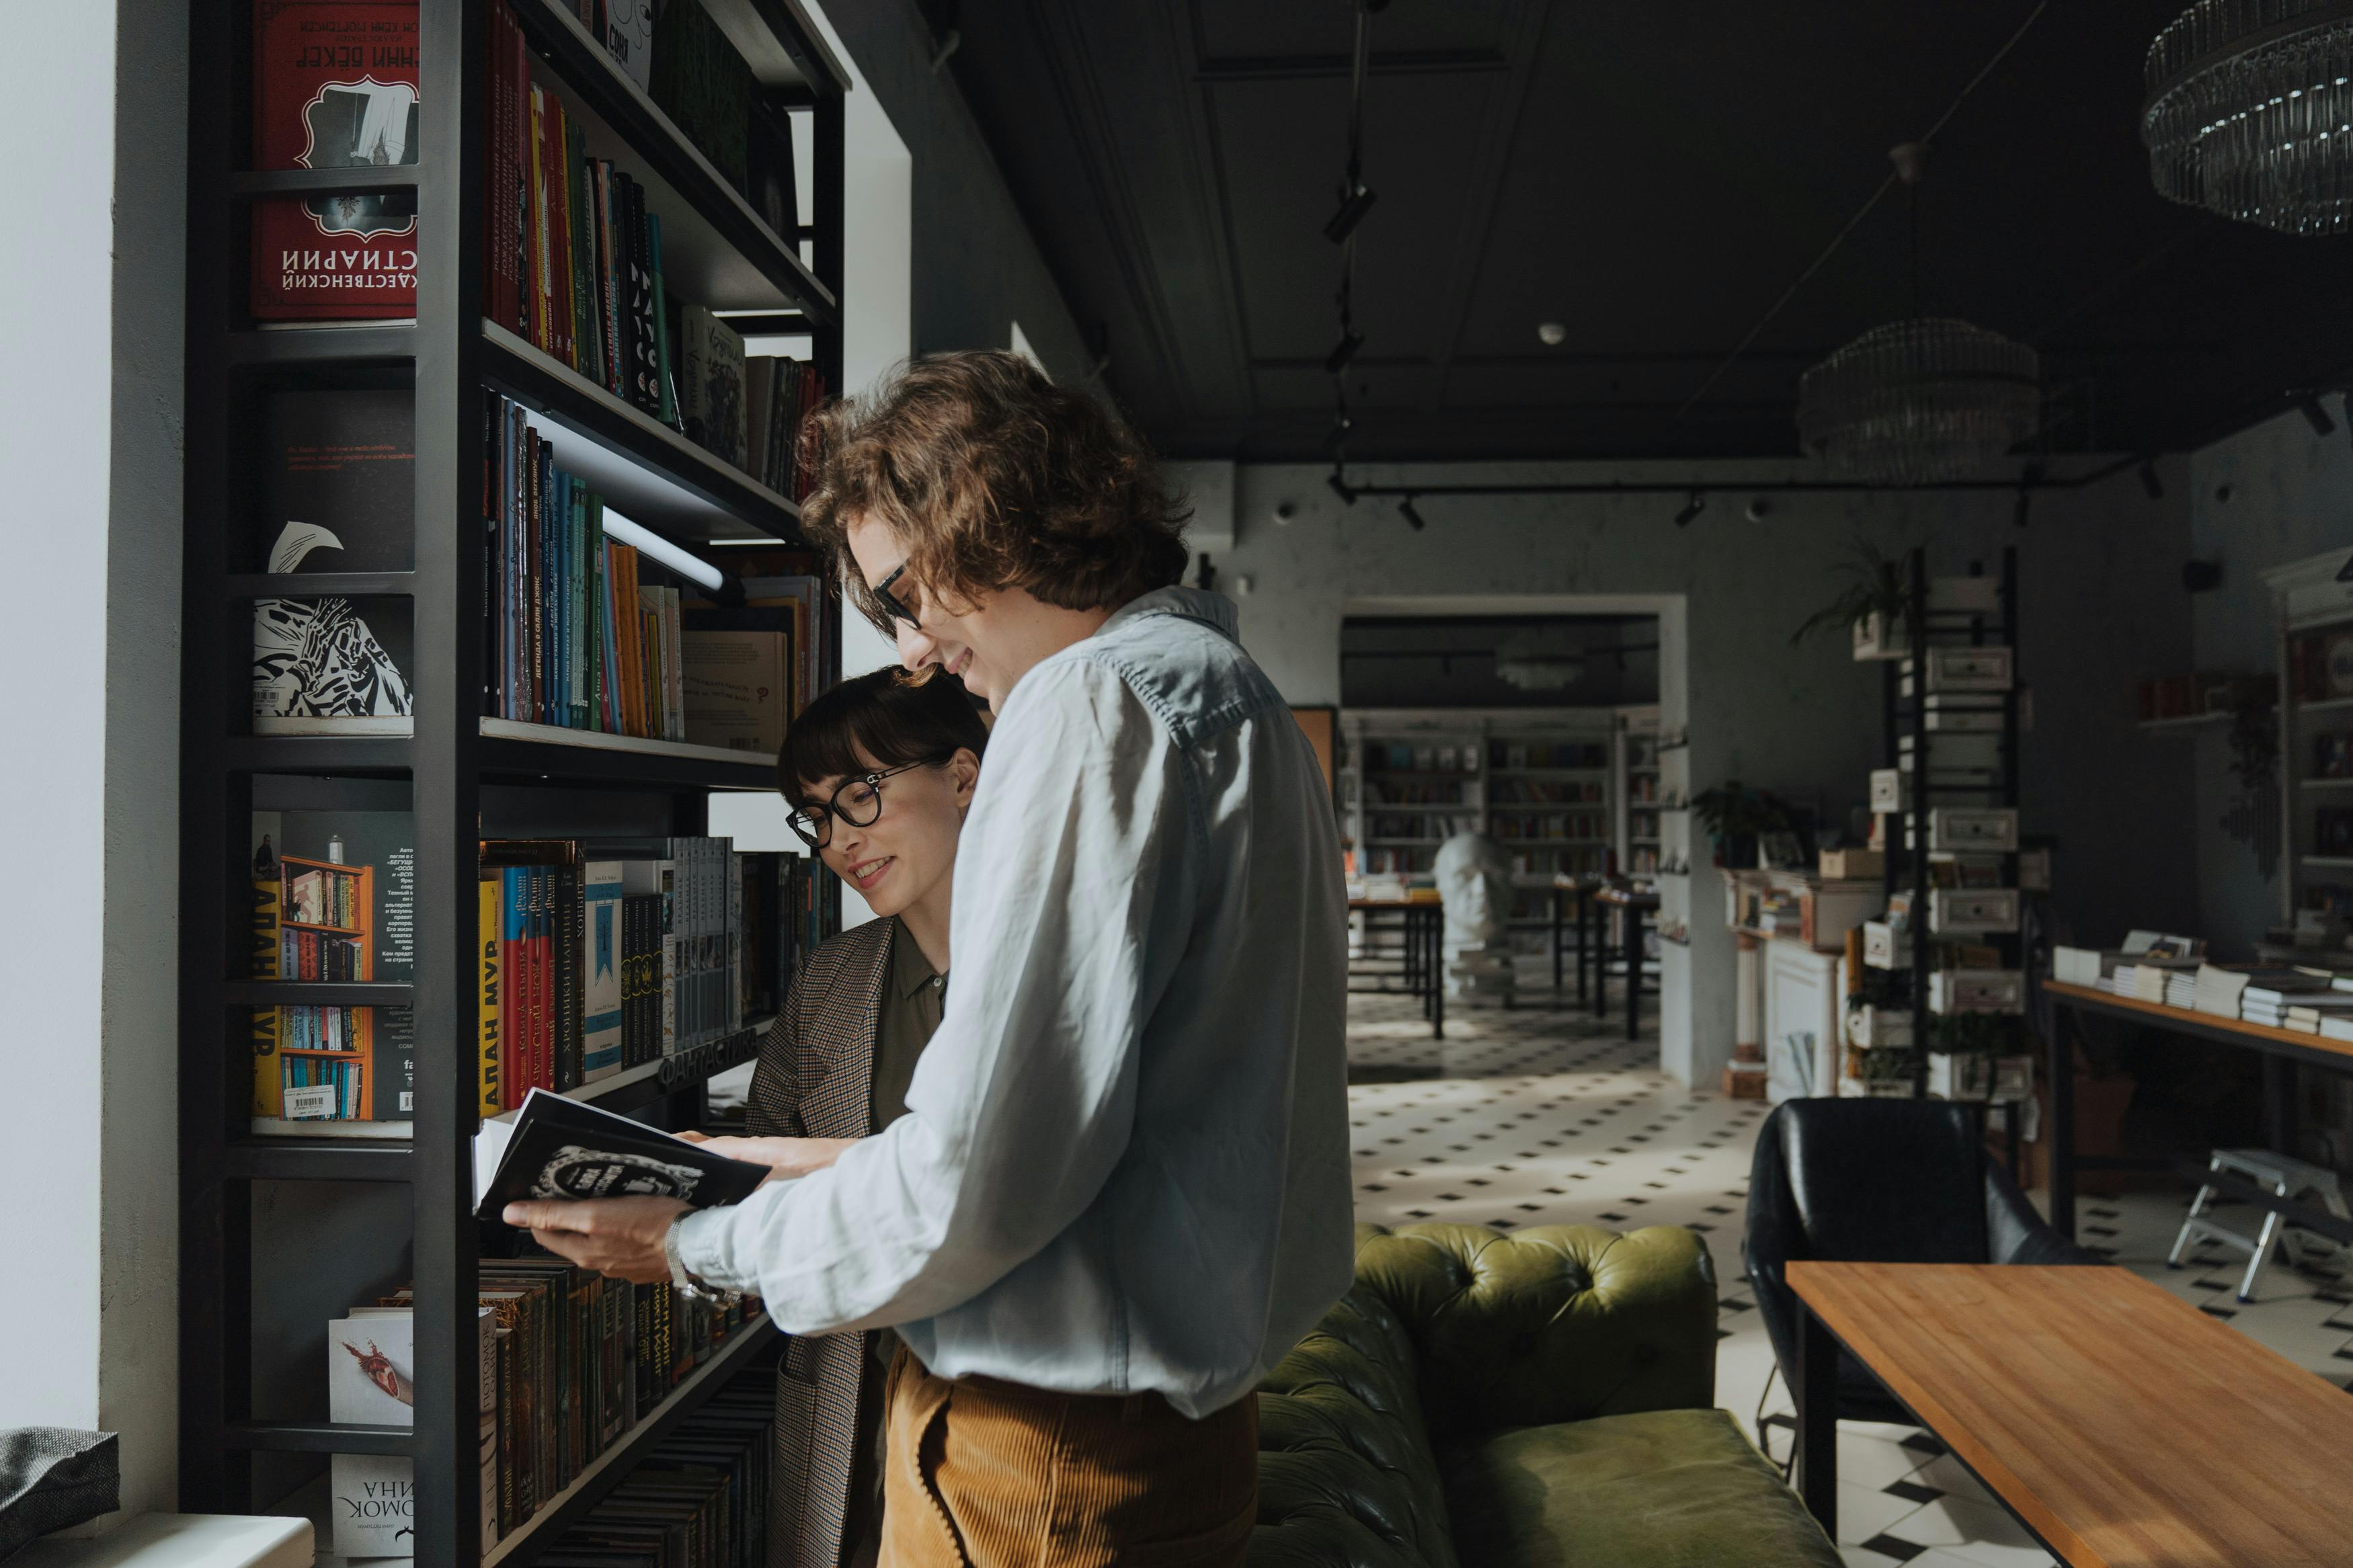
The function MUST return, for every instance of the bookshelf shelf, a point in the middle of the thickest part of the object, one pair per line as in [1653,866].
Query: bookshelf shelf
[319,1159]
[2326,784]
[319,1438]
[329,181]
[2186,723]
[510,751]
[647,471]
[321,584]
[715,248]
[2327,705]
[318,993]
[525,1542]
[347,344]
[453,773]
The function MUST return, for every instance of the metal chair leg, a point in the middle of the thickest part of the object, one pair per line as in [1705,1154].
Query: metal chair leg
[2196,1207]
[2264,1240]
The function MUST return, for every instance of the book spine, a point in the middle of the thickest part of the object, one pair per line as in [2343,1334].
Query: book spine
[514,1004]
[666,384]
[565,938]
[625,609]
[576,603]
[669,958]
[489,924]
[543,586]
[593,552]
[559,222]
[644,388]
[542,281]
[560,588]
[587,342]
[269,1024]
[490,554]
[609,266]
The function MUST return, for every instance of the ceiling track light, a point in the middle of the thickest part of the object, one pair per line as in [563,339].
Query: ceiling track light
[1354,205]
[1341,488]
[2308,404]
[1691,510]
[1413,519]
[1343,351]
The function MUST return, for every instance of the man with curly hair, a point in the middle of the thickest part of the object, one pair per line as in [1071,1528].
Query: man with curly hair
[1120,1192]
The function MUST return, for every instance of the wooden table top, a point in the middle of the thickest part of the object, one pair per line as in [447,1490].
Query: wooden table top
[2158,1012]
[1627,898]
[2127,1428]
[1395,904]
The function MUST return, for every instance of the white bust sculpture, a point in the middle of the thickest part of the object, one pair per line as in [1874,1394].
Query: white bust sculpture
[1474,882]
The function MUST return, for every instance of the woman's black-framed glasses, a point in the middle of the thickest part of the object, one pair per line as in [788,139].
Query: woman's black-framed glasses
[892,602]
[858,802]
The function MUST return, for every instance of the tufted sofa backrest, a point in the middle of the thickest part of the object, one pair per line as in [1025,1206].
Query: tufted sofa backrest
[1453,1331]
[1553,1323]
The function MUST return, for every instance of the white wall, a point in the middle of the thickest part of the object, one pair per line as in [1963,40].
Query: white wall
[90,448]
[2101,607]
[2271,495]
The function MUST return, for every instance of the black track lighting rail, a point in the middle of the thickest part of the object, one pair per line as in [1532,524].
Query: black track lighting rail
[1695,490]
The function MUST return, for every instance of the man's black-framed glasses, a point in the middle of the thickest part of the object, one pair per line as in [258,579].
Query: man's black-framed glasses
[858,802]
[892,602]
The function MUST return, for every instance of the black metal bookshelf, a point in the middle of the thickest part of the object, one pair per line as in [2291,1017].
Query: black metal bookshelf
[727,259]
[1907,717]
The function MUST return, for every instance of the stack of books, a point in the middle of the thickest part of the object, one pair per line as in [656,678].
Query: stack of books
[2268,999]
[2182,987]
[2217,990]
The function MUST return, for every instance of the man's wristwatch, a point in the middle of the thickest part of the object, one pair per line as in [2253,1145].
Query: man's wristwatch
[679,1277]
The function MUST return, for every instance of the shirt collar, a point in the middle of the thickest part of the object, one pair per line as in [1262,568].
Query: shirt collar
[1192,604]
[909,969]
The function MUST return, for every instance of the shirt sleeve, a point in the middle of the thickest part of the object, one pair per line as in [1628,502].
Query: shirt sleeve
[1073,895]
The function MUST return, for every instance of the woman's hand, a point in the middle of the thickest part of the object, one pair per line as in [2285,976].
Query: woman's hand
[783,1156]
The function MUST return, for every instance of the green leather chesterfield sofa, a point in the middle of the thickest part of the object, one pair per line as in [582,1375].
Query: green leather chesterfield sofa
[1541,1399]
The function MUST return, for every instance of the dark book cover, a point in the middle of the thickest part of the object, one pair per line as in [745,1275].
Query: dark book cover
[337,482]
[332,665]
[770,180]
[702,83]
[334,86]
[644,368]
[559,1148]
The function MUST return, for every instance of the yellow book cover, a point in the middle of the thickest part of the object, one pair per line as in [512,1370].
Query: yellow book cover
[487,927]
[269,1079]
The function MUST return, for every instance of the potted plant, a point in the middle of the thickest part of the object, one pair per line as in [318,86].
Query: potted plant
[1735,816]
[1870,604]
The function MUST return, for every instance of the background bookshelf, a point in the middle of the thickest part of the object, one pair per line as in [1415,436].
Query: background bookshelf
[283,1229]
[1542,783]
[2312,615]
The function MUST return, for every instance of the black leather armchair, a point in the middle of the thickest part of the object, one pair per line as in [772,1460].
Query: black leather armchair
[1879,1181]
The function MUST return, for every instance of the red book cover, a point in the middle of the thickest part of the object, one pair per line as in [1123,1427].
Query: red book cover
[334,86]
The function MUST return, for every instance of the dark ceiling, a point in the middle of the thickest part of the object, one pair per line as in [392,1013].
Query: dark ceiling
[1651,176]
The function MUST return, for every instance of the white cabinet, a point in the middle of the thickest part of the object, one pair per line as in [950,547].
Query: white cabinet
[1803,993]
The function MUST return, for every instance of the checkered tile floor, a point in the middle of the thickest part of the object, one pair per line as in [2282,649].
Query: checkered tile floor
[1540,1116]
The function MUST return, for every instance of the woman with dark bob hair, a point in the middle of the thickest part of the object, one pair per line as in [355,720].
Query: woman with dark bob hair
[878,772]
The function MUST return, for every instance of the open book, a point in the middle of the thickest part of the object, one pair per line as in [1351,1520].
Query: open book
[559,1148]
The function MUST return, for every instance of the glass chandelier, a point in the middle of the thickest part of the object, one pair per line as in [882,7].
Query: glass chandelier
[2250,111]
[1920,402]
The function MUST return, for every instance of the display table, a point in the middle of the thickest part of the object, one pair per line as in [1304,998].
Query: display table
[2279,1048]
[1424,924]
[2117,1423]
[1633,909]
